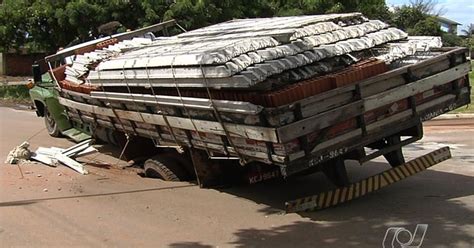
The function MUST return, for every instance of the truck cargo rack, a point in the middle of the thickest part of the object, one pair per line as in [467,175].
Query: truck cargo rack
[360,114]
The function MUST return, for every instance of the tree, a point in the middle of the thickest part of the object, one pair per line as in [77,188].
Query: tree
[428,26]
[469,31]
[13,28]
[374,9]
[468,41]
[47,25]
[451,40]
[407,16]
[418,18]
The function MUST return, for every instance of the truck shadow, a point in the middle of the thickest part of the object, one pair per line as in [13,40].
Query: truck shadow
[431,197]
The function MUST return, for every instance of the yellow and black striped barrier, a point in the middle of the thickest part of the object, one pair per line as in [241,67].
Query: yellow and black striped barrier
[355,190]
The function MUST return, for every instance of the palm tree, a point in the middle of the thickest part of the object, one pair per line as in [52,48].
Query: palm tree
[469,33]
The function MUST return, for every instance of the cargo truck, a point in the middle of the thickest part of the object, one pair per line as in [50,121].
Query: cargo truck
[264,98]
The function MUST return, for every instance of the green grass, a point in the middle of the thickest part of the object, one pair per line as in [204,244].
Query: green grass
[469,108]
[14,94]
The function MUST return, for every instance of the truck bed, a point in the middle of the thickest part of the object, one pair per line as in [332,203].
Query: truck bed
[296,136]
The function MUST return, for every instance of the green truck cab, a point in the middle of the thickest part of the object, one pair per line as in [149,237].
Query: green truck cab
[44,95]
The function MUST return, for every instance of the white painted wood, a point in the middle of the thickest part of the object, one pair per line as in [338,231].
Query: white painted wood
[77,147]
[71,163]
[337,139]
[319,121]
[45,159]
[411,89]
[188,102]
[52,155]
[244,131]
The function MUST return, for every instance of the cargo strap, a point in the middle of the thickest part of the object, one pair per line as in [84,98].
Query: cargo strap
[132,96]
[356,190]
[140,112]
[242,159]
[198,133]
[113,110]
[54,77]
[165,118]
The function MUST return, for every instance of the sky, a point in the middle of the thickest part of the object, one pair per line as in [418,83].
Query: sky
[461,11]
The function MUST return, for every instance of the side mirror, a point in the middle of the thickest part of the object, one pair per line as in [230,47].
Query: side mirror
[36,73]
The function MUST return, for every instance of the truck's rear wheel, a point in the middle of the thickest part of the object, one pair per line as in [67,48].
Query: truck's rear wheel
[51,124]
[165,168]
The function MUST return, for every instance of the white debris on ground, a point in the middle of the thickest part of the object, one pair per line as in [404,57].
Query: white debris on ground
[19,153]
[53,156]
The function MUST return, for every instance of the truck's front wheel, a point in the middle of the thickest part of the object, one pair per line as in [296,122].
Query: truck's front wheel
[51,124]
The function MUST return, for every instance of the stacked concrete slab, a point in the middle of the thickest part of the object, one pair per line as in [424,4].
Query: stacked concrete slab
[243,53]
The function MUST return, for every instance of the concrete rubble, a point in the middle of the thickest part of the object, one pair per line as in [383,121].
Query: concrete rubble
[19,153]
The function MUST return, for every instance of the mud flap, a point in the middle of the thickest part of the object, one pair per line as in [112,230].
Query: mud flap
[356,190]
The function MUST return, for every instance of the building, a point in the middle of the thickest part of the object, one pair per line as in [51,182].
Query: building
[18,63]
[448,25]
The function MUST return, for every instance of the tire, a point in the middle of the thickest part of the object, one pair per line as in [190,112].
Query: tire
[51,124]
[165,168]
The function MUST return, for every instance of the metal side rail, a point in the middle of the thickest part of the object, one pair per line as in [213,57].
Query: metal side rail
[356,190]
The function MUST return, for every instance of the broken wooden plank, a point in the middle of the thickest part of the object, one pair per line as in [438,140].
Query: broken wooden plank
[71,163]
[45,159]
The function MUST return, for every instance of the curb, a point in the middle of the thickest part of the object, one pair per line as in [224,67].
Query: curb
[455,116]
[14,83]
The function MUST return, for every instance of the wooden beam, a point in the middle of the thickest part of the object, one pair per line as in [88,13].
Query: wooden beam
[319,121]
[235,130]
[411,89]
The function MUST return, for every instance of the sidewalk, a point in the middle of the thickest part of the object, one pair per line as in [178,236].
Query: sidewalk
[8,80]
[455,116]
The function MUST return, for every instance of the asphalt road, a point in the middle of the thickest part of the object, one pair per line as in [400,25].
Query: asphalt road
[113,207]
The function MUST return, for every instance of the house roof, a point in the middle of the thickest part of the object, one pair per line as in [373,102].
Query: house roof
[447,21]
